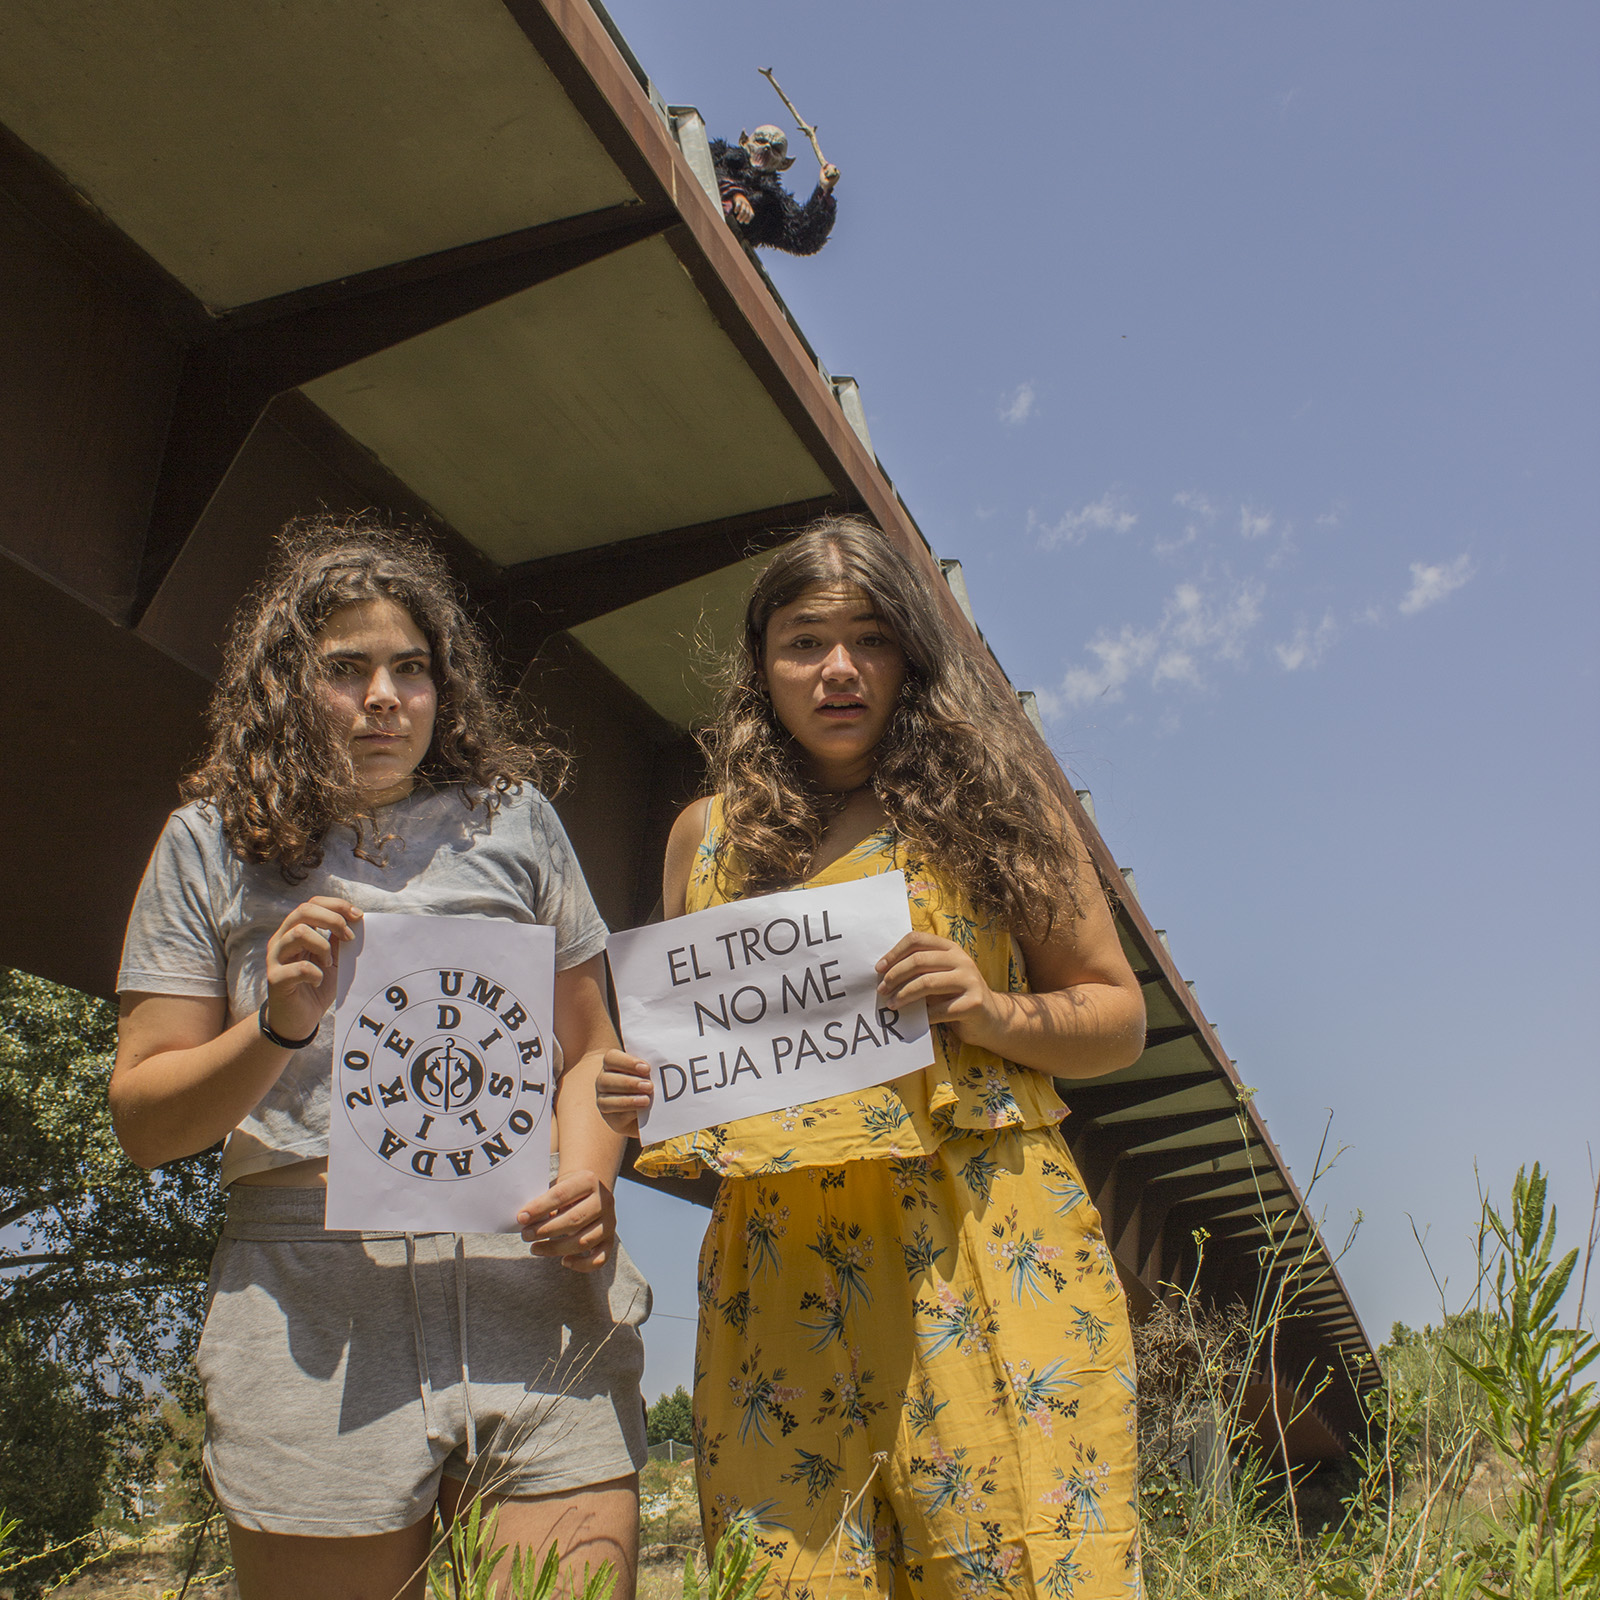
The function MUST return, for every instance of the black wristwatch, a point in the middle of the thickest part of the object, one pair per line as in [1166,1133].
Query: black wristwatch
[277,1038]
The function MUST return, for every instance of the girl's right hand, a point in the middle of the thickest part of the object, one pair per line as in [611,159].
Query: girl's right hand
[622,1090]
[303,964]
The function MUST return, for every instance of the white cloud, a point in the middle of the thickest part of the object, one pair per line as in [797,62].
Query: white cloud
[1197,628]
[1117,660]
[1204,623]
[1019,407]
[1200,509]
[1308,646]
[1429,585]
[1254,524]
[1105,515]
[1170,547]
[1194,501]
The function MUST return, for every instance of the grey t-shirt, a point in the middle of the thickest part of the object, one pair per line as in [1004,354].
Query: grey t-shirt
[202,918]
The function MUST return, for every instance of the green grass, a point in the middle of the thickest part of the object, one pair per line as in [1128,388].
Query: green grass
[1478,1477]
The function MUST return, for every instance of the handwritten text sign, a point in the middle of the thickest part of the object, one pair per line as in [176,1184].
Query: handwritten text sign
[766,1003]
[443,1074]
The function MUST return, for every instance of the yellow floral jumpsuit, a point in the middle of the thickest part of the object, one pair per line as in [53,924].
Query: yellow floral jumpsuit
[913,1375]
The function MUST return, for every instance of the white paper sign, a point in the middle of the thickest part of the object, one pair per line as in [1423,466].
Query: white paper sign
[443,1074]
[766,1003]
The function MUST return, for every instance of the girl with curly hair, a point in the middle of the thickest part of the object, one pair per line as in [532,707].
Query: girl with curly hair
[913,1373]
[359,760]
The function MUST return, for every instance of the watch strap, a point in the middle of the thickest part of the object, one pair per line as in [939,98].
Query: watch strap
[277,1038]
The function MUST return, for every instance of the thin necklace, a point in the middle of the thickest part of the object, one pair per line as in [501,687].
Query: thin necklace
[832,803]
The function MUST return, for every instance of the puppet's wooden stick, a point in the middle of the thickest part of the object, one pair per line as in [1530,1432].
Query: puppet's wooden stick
[805,127]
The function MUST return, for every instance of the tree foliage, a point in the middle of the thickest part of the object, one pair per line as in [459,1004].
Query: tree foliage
[671,1417]
[53,1463]
[102,1265]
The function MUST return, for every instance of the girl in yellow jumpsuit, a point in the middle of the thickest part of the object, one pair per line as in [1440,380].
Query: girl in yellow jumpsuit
[913,1372]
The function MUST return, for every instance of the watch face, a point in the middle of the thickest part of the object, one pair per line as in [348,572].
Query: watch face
[445,1074]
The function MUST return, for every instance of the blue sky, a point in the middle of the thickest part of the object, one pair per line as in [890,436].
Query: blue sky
[1246,355]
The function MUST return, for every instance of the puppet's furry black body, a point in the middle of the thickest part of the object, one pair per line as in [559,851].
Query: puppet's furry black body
[780,222]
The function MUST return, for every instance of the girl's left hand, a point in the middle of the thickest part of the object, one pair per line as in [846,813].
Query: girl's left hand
[575,1221]
[925,967]
[623,1089]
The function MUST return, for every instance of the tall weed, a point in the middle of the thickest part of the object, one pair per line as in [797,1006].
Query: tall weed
[1539,1417]
[470,1571]
[1498,1391]
[469,1574]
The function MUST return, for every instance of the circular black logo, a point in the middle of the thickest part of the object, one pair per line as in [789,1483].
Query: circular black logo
[444,1074]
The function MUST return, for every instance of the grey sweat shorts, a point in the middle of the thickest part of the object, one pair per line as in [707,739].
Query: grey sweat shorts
[345,1372]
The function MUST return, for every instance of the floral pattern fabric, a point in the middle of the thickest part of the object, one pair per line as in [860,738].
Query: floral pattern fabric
[965,1088]
[914,1377]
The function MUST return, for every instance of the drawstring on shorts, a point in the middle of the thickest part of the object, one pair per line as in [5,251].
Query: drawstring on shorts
[466,1370]
[420,1339]
[420,1342]
[281,1275]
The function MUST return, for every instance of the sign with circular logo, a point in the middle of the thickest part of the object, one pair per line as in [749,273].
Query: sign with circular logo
[445,1073]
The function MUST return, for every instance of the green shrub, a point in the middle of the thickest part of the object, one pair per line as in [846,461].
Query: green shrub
[53,1466]
[1539,1417]
[671,1417]
[1497,1391]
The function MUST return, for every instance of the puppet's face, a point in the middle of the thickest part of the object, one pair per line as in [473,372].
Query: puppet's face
[768,149]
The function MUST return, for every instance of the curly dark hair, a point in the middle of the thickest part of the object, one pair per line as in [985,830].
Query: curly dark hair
[960,773]
[276,772]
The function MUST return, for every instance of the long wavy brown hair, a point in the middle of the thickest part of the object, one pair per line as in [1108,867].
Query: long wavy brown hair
[276,772]
[959,772]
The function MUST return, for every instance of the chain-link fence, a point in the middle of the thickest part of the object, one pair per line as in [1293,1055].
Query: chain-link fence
[671,1450]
